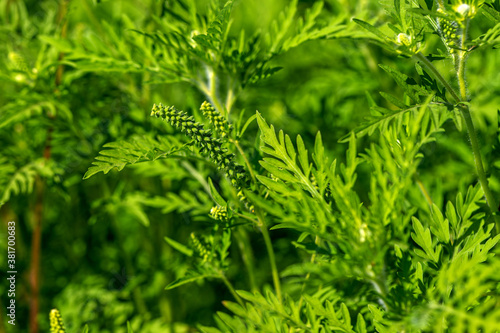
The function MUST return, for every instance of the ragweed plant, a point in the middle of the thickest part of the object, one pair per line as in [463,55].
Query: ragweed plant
[299,217]
[387,257]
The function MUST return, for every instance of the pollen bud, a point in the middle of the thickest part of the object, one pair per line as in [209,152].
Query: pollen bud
[219,213]
[404,39]
[463,9]
[56,323]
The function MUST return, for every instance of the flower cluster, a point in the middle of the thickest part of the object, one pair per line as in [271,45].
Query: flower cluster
[56,322]
[208,144]
[221,126]
[219,213]
[200,248]
[450,32]
[403,39]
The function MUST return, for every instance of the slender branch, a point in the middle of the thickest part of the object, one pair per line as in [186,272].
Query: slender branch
[424,192]
[270,252]
[247,162]
[231,289]
[464,109]
[210,90]
[36,241]
[460,63]
[255,222]
[476,149]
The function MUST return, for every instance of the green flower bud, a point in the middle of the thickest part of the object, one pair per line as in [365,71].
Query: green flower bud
[221,126]
[404,39]
[205,140]
[219,213]
[200,248]
[56,322]
[450,31]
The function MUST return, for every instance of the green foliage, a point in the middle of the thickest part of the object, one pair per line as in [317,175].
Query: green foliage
[137,149]
[351,201]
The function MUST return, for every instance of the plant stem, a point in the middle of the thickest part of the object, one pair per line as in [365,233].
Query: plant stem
[476,149]
[211,91]
[36,243]
[483,180]
[464,109]
[247,218]
[270,252]
[35,257]
[247,162]
[231,289]
[424,192]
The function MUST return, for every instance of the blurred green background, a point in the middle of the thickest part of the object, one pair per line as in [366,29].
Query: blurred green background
[104,260]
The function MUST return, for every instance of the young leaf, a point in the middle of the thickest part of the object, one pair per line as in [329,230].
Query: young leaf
[215,195]
[179,247]
[422,237]
[191,277]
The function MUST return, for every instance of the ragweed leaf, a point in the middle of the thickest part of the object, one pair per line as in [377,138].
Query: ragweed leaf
[422,237]
[126,152]
[283,150]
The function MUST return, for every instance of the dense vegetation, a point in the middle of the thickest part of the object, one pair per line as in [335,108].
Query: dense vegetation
[149,195]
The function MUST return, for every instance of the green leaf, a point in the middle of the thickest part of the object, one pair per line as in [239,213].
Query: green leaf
[361,324]
[266,205]
[179,247]
[192,277]
[137,149]
[409,85]
[277,172]
[303,156]
[422,237]
[247,123]
[384,38]
[274,185]
[283,150]
[21,180]
[440,226]
[215,195]
[400,104]
[235,308]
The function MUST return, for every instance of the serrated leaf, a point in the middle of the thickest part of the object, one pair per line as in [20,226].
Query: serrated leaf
[284,151]
[440,226]
[274,185]
[409,85]
[278,173]
[400,104]
[137,149]
[422,237]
